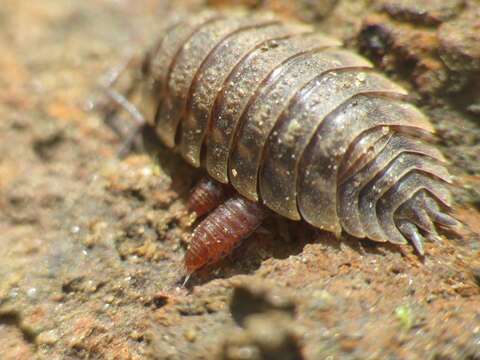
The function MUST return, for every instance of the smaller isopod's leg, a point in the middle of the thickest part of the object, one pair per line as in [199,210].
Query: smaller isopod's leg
[206,196]
[221,231]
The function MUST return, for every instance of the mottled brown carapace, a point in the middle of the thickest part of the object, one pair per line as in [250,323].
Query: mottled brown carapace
[291,121]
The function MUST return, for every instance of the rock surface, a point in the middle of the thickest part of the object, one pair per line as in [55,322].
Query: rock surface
[90,245]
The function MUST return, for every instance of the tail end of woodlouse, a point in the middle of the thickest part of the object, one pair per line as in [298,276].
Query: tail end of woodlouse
[394,186]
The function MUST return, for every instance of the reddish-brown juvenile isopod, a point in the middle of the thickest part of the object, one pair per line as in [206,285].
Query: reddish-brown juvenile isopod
[296,123]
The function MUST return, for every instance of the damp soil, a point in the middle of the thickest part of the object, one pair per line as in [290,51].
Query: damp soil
[91,244]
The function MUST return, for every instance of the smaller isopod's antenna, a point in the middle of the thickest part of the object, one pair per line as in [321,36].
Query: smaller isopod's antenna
[187,277]
[182,276]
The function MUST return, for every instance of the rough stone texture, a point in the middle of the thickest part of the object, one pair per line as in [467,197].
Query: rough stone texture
[427,12]
[90,245]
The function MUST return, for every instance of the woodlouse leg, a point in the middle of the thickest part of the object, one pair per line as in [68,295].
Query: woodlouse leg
[221,231]
[206,196]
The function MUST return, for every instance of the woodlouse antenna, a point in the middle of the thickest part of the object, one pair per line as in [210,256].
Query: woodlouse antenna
[135,114]
[119,98]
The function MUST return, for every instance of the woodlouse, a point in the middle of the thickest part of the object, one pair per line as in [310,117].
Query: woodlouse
[293,121]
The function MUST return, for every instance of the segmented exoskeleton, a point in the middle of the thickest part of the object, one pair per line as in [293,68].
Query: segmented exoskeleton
[294,122]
